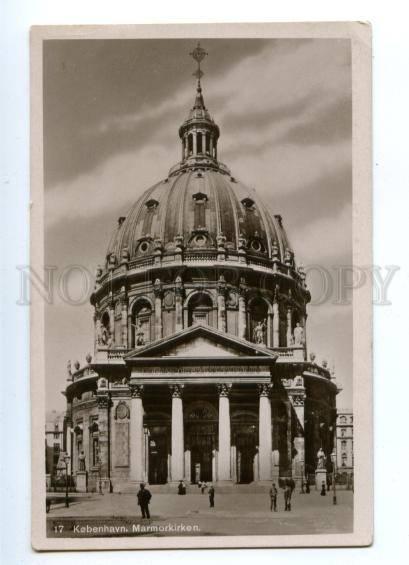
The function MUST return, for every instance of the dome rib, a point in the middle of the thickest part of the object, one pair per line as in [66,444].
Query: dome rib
[234,209]
[261,207]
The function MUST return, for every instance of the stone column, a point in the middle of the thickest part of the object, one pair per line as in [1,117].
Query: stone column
[146,455]
[289,327]
[179,304]
[297,398]
[195,143]
[187,465]
[97,320]
[124,322]
[177,462]
[264,430]
[242,321]
[289,435]
[104,402]
[221,304]
[112,322]
[211,145]
[136,435]
[158,309]
[276,325]
[224,455]
[269,329]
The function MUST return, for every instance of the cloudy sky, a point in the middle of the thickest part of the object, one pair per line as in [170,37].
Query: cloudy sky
[111,115]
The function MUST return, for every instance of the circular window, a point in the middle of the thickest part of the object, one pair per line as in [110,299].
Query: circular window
[200,240]
[144,246]
[256,245]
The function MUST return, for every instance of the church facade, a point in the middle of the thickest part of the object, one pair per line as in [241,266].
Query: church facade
[200,370]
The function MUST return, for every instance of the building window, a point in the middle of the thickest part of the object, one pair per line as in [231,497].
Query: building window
[142,324]
[56,448]
[56,431]
[343,444]
[200,307]
[95,451]
[344,459]
[343,432]
[199,143]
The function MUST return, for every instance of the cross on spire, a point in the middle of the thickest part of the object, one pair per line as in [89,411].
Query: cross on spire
[198,54]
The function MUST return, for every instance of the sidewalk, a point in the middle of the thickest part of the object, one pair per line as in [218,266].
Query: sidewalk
[234,514]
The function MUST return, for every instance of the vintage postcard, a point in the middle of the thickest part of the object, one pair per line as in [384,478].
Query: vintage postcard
[201,343]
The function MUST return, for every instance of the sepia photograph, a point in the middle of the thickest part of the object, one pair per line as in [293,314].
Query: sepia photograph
[199,340]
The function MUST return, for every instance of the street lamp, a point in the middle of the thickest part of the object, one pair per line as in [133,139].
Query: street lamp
[66,461]
[334,465]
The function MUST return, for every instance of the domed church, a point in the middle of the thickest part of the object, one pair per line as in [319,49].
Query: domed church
[200,370]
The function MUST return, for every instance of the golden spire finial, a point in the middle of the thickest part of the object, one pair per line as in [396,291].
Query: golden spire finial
[198,54]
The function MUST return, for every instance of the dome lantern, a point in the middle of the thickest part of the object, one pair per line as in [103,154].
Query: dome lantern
[199,133]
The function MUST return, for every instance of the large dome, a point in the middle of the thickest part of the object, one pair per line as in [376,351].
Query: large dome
[199,208]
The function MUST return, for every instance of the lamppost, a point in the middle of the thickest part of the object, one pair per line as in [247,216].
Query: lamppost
[334,471]
[66,461]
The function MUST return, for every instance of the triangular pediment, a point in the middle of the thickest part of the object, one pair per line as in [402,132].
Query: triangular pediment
[200,342]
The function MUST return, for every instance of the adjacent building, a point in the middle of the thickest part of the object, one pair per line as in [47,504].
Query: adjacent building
[345,442]
[54,441]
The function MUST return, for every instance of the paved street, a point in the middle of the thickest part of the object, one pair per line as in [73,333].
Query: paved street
[234,514]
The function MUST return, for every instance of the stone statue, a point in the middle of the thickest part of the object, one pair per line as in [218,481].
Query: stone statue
[140,338]
[298,334]
[139,334]
[321,459]
[258,332]
[81,461]
[104,337]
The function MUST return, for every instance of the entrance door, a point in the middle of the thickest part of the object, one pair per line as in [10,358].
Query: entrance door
[201,453]
[246,450]
[158,459]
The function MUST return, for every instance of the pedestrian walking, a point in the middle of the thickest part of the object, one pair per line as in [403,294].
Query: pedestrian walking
[307,486]
[211,496]
[144,497]
[287,495]
[181,488]
[323,492]
[203,487]
[273,498]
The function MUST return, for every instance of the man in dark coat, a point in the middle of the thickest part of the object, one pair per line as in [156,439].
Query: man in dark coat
[287,495]
[211,496]
[144,497]
[273,498]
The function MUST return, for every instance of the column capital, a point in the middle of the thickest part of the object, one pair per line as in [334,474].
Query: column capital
[157,288]
[243,288]
[221,286]
[264,390]
[136,390]
[103,400]
[297,399]
[224,389]
[176,390]
[179,288]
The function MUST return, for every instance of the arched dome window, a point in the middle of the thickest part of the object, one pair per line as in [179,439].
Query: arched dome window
[104,338]
[142,323]
[200,309]
[199,142]
[259,325]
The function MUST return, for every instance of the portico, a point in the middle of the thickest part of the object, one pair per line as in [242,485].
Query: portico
[207,385]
